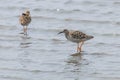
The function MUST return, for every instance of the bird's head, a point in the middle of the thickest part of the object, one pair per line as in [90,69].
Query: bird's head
[64,31]
[27,12]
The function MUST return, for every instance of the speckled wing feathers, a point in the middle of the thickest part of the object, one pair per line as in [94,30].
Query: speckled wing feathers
[25,20]
[78,35]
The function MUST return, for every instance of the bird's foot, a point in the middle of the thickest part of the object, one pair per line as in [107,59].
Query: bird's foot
[25,33]
[76,54]
[79,50]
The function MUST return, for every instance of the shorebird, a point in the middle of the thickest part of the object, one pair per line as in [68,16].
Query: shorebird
[25,20]
[77,37]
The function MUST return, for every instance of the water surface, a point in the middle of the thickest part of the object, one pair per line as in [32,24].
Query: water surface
[44,55]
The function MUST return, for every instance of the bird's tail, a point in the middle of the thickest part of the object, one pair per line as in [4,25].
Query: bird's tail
[90,37]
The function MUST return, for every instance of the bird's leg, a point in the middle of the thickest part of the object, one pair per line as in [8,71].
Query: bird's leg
[78,47]
[81,46]
[25,30]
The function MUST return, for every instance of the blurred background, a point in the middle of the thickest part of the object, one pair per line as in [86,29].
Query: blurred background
[44,55]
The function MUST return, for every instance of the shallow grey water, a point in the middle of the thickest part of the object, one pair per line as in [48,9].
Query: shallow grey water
[44,55]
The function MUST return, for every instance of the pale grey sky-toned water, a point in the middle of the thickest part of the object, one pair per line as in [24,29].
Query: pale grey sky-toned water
[44,55]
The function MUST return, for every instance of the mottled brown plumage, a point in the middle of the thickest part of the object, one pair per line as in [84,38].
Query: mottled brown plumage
[25,20]
[77,37]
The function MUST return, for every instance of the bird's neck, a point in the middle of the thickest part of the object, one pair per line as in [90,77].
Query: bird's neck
[67,35]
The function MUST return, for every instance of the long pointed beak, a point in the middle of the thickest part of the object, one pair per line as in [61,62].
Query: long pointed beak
[60,32]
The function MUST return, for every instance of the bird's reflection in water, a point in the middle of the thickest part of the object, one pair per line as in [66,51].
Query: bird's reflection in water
[24,47]
[75,59]
[77,54]
[25,43]
[75,65]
